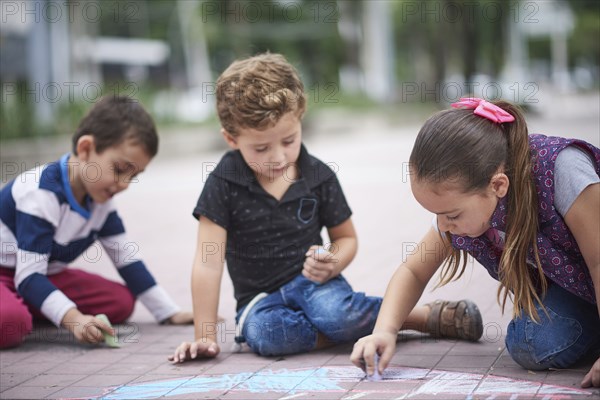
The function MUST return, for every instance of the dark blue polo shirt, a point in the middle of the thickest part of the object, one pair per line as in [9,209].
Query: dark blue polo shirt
[268,238]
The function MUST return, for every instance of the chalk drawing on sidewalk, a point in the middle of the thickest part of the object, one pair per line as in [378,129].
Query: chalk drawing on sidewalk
[412,382]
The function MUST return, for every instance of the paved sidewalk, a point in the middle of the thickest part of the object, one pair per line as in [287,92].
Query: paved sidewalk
[422,369]
[368,154]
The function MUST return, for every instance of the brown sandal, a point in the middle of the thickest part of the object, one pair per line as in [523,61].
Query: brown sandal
[455,319]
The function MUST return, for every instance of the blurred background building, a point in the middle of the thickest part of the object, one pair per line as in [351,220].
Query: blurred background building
[59,56]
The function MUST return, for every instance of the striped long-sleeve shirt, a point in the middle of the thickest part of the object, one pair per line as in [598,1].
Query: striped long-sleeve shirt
[43,228]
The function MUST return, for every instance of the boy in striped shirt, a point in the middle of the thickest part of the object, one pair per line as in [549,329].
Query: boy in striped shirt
[50,215]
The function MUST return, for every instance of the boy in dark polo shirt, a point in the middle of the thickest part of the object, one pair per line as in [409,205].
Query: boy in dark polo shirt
[262,209]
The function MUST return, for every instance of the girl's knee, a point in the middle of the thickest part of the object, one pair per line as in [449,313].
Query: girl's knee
[528,357]
[357,320]
[522,355]
[552,343]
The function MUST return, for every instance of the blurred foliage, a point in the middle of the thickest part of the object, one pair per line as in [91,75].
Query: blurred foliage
[16,113]
[584,42]
[307,32]
[434,39]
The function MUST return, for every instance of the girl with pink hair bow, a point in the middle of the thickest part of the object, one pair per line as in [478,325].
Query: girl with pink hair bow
[527,208]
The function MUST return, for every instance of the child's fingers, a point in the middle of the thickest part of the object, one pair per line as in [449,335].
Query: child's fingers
[210,350]
[363,355]
[180,353]
[357,355]
[369,357]
[592,378]
[193,350]
[312,275]
[175,356]
[310,262]
[202,349]
[322,255]
[318,253]
[312,249]
[587,380]
[104,327]
[213,350]
[309,267]
[385,358]
[317,266]
[92,334]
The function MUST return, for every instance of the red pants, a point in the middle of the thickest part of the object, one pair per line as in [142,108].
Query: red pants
[91,293]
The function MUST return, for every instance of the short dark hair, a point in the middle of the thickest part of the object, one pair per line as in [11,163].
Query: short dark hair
[114,119]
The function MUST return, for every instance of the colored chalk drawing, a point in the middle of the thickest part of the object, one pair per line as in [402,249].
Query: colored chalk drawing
[301,383]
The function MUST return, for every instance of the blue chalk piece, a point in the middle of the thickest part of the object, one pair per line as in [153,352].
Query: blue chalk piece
[321,250]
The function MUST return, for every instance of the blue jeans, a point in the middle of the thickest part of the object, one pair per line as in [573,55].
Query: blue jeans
[571,332]
[288,320]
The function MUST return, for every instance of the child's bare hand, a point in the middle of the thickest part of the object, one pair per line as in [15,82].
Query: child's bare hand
[86,328]
[201,348]
[181,318]
[592,378]
[363,354]
[319,266]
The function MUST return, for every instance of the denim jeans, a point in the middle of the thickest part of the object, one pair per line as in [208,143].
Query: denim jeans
[287,321]
[571,332]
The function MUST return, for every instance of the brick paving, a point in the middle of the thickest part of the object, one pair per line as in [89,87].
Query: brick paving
[368,154]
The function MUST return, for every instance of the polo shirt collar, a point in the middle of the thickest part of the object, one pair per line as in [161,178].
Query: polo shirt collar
[233,168]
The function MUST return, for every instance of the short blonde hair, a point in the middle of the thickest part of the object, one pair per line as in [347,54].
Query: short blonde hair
[256,92]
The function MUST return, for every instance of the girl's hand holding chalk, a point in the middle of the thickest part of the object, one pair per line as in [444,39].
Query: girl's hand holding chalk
[373,353]
[375,376]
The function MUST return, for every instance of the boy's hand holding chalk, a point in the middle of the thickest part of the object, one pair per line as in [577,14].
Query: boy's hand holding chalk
[319,265]
[110,340]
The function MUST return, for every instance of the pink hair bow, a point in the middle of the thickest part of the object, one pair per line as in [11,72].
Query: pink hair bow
[484,109]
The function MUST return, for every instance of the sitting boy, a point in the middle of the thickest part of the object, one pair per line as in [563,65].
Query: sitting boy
[262,210]
[49,216]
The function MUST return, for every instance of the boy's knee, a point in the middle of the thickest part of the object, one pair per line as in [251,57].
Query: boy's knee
[282,338]
[123,306]
[349,326]
[263,340]
[15,324]
[280,346]
[265,348]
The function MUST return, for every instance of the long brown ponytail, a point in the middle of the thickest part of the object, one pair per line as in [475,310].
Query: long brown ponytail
[459,145]
[522,223]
